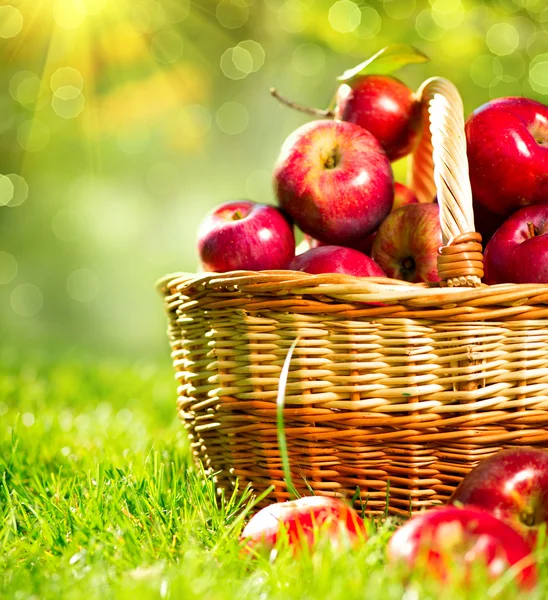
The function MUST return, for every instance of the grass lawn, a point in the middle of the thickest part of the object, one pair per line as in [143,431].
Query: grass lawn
[99,499]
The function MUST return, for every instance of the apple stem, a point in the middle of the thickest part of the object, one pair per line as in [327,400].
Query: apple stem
[316,112]
[532,230]
[237,216]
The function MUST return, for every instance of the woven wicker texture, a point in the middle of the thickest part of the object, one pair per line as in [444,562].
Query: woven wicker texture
[394,389]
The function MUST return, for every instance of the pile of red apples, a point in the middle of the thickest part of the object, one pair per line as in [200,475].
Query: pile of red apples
[491,524]
[333,181]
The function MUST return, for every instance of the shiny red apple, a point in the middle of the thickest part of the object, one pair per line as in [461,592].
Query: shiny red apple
[512,485]
[407,242]
[336,259]
[518,251]
[386,107]
[245,235]
[507,146]
[303,523]
[450,539]
[402,196]
[334,180]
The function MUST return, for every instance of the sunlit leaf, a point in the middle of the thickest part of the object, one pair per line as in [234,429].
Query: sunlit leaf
[386,61]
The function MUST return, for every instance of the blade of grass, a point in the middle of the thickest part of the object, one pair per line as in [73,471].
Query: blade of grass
[280,404]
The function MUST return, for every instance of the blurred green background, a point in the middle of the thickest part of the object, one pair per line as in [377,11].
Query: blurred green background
[123,121]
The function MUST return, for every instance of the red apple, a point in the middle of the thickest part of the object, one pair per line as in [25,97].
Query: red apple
[386,107]
[507,144]
[512,485]
[336,259]
[407,242]
[334,180]
[303,522]
[245,235]
[448,539]
[402,196]
[518,251]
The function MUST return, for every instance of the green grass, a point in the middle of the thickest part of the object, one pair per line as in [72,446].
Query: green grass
[99,498]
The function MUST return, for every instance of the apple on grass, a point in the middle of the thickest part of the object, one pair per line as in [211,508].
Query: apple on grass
[507,147]
[245,235]
[407,242]
[336,259]
[303,523]
[386,107]
[518,251]
[449,540]
[334,180]
[513,486]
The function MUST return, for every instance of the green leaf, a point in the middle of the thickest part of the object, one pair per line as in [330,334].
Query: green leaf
[386,61]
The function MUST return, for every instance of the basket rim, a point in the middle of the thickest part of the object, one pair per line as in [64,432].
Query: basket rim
[354,289]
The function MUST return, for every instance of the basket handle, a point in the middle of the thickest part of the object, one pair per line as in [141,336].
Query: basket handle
[439,165]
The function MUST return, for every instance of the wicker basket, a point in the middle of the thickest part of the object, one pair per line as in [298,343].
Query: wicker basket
[396,390]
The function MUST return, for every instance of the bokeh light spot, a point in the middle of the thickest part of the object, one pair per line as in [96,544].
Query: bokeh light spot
[293,16]
[28,91]
[256,51]
[163,179]
[11,21]
[27,419]
[68,102]
[426,27]
[33,135]
[176,10]
[447,13]
[231,64]
[20,190]
[67,225]
[485,70]
[148,16]
[83,285]
[8,267]
[69,14]
[232,118]
[399,9]
[27,300]
[6,190]
[370,24]
[538,74]
[232,14]
[66,76]
[308,59]
[502,38]
[241,60]
[167,46]
[344,16]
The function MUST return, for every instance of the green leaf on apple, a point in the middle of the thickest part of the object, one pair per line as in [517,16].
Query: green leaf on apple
[387,60]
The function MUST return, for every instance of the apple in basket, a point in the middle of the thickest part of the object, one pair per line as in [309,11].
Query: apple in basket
[507,146]
[334,180]
[451,540]
[245,235]
[512,485]
[386,107]
[402,196]
[407,242]
[518,251]
[303,523]
[336,259]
